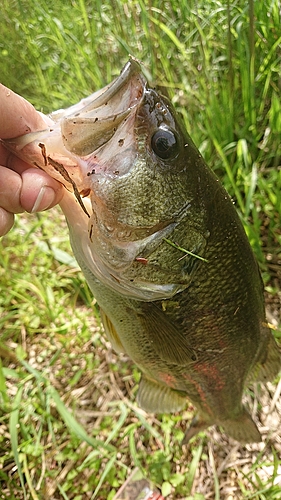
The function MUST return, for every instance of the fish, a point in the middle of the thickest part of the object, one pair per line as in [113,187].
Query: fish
[163,250]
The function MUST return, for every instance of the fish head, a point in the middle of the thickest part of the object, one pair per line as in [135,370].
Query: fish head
[144,191]
[126,149]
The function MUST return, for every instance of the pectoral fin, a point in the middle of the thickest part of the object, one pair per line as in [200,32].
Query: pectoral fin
[155,398]
[168,341]
[111,333]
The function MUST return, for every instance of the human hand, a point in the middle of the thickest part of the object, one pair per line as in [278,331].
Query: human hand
[22,187]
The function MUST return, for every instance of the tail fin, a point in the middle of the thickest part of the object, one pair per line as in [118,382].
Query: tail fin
[242,428]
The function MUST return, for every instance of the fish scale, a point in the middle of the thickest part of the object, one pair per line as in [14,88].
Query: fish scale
[163,251]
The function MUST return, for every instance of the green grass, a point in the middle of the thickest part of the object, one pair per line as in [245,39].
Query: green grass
[69,427]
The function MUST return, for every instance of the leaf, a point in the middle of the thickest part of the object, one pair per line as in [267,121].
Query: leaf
[166,489]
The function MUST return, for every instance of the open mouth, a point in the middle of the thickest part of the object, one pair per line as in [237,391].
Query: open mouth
[86,130]
[78,131]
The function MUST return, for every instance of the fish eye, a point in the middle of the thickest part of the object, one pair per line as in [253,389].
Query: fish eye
[164,143]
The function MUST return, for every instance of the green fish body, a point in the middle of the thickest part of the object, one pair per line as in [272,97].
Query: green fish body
[165,255]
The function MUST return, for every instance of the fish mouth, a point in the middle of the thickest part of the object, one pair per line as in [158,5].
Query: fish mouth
[65,149]
[86,130]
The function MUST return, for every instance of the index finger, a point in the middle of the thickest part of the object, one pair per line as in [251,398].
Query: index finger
[18,116]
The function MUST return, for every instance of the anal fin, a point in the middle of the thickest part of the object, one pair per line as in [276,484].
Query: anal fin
[156,398]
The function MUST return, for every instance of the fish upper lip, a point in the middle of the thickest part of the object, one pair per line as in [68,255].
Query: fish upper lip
[132,68]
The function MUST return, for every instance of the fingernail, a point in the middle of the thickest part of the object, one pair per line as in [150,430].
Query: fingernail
[44,199]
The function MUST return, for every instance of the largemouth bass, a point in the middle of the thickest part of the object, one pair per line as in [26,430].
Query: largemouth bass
[163,250]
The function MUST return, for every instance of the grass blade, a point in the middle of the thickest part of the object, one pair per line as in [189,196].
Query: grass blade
[107,468]
[193,468]
[74,426]
[68,418]
[3,388]
[13,429]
